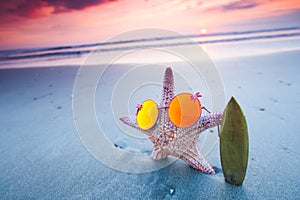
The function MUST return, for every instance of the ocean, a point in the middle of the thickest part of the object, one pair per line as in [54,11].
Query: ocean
[217,45]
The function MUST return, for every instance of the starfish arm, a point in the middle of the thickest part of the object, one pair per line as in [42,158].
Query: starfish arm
[158,154]
[191,134]
[207,121]
[130,121]
[193,157]
[168,87]
[187,136]
[185,145]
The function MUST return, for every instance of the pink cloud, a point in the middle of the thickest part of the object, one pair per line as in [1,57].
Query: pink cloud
[15,10]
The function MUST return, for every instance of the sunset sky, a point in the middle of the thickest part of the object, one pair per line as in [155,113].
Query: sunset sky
[40,23]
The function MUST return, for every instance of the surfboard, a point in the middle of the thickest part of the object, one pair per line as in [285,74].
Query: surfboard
[234,143]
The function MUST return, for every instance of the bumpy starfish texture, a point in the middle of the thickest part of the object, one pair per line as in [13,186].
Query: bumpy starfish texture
[169,139]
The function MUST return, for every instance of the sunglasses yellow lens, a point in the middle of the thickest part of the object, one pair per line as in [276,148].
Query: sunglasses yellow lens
[147,115]
[184,111]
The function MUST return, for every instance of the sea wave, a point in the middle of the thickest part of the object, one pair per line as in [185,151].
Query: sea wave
[211,38]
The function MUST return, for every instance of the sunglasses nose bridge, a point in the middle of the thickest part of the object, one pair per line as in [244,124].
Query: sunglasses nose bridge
[163,107]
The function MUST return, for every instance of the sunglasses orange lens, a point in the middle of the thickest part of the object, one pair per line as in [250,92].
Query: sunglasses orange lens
[147,115]
[183,111]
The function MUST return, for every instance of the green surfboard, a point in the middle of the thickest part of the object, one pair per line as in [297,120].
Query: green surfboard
[234,144]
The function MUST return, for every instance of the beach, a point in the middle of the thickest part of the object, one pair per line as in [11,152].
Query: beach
[42,156]
[108,99]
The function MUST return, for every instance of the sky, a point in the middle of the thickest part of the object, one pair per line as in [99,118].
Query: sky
[42,23]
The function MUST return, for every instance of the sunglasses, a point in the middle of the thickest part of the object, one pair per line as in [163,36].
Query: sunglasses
[184,110]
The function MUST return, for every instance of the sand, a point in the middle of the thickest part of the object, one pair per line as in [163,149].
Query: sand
[42,156]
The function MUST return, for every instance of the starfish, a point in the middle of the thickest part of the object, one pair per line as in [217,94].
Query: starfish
[168,139]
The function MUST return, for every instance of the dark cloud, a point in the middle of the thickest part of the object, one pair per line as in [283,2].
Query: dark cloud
[69,5]
[30,8]
[242,4]
[17,7]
